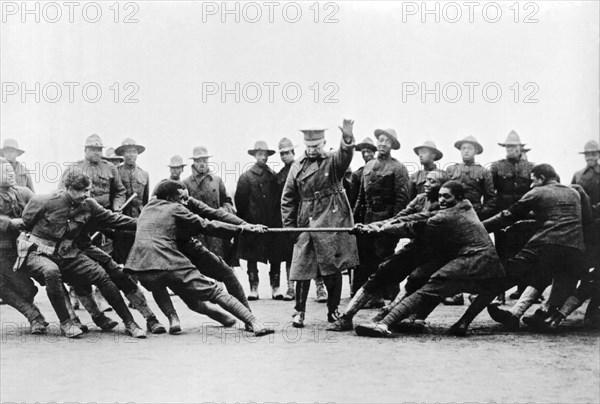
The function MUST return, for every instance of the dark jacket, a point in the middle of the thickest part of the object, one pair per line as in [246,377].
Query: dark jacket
[56,217]
[512,180]
[256,200]
[557,211]
[12,203]
[313,196]
[210,189]
[163,227]
[589,179]
[479,187]
[383,191]
[458,235]
[107,188]
[285,242]
[136,180]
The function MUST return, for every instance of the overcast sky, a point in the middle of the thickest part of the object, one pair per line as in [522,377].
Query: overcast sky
[371,62]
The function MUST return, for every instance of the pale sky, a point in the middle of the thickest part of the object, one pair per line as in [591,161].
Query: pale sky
[364,61]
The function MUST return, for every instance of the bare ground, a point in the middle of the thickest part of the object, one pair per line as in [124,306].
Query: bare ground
[209,363]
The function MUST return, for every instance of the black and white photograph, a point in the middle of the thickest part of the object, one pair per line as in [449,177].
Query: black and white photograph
[335,202]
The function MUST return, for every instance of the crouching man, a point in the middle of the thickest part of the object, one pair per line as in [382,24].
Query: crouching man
[49,254]
[164,226]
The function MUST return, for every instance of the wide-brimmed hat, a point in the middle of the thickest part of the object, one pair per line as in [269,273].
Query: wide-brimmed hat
[391,133]
[513,139]
[109,155]
[176,161]
[200,152]
[129,142]
[473,141]
[93,141]
[590,147]
[11,144]
[367,143]
[286,145]
[313,136]
[261,145]
[428,144]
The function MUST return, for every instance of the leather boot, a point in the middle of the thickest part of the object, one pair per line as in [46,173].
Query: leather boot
[275,292]
[253,279]
[298,319]
[504,317]
[373,330]
[537,320]
[69,329]
[134,330]
[99,318]
[174,324]
[344,321]
[480,302]
[138,301]
[37,326]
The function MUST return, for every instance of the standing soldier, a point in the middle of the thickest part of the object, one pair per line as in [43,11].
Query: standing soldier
[478,183]
[589,177]
[367,149]
[107,188]
[135,180]
[512,180]
[428,154]
[256,202]
[383,193]
[285,247]
[210,189]
[16,288]
[176,167]
[313,196]
[10,151]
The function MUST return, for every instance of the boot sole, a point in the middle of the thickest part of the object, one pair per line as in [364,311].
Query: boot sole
[362,331]
[175,330]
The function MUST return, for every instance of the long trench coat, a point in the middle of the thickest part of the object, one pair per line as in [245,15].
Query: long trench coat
[313,196]
[256,200]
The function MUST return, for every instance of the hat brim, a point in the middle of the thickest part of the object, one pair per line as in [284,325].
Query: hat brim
[313,142]
[438,153]
[361,146]
[181,165]
[252,152]
[287,149]
[478,147]
[511,144]
[201,156]
[121,149]
[590,151]
[19,151]
[395,142]
[113,159]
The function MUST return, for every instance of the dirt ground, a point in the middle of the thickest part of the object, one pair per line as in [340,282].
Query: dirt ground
[208,363]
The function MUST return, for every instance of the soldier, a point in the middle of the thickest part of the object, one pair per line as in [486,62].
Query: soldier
[164,225]
[55,221]
[383,193]
[16,288]
[286,246]
[512,180]
[478,183]
[176,167]
[10,151]
[313,196]
[107,188]
[554,251]
[428,154]
[457,234]
[135,180]
[367,149]
[589,177]
[210,189]
[256,202]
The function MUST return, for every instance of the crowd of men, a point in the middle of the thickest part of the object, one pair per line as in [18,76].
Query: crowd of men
[103,228]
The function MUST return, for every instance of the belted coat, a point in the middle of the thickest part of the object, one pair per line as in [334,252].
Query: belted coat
[313,196]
